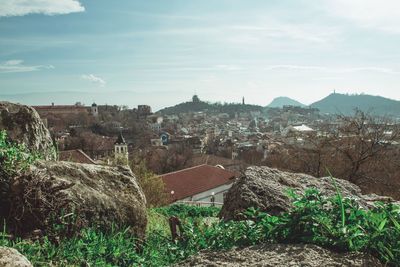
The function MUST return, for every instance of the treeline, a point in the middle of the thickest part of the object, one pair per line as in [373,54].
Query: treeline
[229,108]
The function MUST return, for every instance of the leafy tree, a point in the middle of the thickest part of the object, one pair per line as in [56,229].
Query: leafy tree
[152,185]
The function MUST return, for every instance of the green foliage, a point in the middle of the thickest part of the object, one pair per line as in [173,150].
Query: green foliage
[13,157]
[230,108]
[185,211]
[152,185]
[115,248]
[314,219]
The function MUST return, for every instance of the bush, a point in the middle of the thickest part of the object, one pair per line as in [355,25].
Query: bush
[152,185]
[14,158]
[185,211]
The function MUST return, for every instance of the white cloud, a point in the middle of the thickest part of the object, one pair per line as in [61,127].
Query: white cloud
[378,14]
[228,67]
[17,65]
[9,8]
[295,67]
[373,69]
[276,29]
[94,79]
[332,70]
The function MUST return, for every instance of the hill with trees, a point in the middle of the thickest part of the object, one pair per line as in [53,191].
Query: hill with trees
[196,105]
[346,104]
[281,101]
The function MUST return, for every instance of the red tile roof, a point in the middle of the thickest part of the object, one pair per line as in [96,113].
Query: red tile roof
[59,107]
[191,181]
[76,155]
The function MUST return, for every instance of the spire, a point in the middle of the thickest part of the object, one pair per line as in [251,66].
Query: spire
[120,140]
[242,100]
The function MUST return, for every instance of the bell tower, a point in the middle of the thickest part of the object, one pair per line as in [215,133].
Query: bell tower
[95,111]
[121,149]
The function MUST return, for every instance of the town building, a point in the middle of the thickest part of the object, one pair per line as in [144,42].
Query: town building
[121,149]
[63,110]
[144,110]
[75,155]
[202,184]
[95,110]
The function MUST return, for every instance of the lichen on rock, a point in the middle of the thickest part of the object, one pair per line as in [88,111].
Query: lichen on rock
[10,257]
[24,125]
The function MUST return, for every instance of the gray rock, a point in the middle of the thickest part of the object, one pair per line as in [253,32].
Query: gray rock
[98,195]
[10,257]
[23,125]
[266,189]
[273,255]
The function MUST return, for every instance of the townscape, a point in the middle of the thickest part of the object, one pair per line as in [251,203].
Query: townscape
[199,133]
[232,136]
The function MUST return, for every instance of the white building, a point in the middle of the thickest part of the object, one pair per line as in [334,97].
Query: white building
[95,110]
[121,149]
[203,184]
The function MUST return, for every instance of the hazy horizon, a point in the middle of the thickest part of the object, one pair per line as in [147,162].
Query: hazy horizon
[161,53]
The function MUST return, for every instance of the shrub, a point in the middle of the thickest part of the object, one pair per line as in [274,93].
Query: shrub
[14,158]
[184,211]
[152,185]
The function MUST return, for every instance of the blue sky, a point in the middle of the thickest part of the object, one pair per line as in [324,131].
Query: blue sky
[161,52]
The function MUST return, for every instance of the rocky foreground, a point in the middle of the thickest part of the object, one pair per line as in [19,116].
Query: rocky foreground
[273,255]
[51,192]
[24,125]
[10,257]
[267,189]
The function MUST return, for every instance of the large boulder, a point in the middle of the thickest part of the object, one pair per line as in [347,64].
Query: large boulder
[267,189]
[54,193]
[10,257]
[272,255]
[23,125]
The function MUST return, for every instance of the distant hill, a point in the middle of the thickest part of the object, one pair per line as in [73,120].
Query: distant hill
[230,108]
[346,104]
[284,101]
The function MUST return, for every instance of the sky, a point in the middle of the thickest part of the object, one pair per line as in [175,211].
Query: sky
[157,52]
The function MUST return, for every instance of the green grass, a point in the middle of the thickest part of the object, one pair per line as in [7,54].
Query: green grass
[185,211]
[314,219]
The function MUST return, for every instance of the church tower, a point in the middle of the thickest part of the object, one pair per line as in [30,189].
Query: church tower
[121,149]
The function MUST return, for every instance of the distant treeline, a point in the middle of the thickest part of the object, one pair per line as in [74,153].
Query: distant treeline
[229,108]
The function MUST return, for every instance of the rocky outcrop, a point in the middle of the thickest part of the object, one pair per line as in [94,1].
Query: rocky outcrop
[23,125]
[272,255]
[10,257]
[54,193]
[266,189]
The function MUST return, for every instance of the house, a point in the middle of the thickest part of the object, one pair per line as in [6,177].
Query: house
[295,130]
[75,155]
[202,183]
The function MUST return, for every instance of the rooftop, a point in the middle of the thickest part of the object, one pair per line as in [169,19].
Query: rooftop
[75,155]
[120,140]
[194,180]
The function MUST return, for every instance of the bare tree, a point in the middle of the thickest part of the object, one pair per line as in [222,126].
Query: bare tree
[362,149]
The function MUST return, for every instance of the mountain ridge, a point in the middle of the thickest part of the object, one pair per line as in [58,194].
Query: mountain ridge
[346,104]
